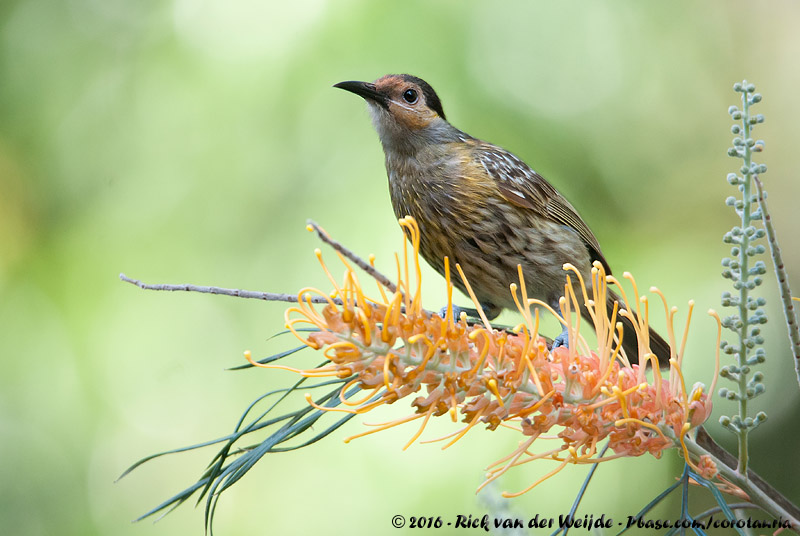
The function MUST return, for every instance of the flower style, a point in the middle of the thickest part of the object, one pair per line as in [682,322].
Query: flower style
[390,347]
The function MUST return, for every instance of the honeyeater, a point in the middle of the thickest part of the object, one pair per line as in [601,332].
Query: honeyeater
[481,206]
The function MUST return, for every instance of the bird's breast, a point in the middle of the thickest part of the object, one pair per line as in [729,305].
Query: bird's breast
[462,215]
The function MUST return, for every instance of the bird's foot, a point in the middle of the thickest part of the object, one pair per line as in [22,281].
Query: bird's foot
[491,312]
[456,311]
[561,340]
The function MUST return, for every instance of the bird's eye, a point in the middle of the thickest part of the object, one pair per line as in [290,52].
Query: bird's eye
[410,96]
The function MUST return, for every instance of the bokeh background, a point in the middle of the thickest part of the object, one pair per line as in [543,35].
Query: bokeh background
[188,141]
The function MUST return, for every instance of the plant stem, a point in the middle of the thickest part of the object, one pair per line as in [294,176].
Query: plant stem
[234,292]
[743,290]
[758,490]
[783,278]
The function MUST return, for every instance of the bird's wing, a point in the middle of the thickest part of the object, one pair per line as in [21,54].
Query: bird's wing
[522,186]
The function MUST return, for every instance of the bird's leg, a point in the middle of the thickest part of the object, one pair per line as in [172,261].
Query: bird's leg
[563,338]
[489,309]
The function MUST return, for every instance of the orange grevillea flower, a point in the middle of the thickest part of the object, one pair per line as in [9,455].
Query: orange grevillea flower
[391,348]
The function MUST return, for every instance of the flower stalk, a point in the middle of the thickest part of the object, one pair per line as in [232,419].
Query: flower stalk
[746,324]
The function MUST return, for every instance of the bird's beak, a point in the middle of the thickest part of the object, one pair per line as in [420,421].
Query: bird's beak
[365,90]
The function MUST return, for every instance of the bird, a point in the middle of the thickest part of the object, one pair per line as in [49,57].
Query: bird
[482,206]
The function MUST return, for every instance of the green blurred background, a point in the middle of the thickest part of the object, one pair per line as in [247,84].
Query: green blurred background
[189,141]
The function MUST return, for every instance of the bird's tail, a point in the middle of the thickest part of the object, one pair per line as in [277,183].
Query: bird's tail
[630,342]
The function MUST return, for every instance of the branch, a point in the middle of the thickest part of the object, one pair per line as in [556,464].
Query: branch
[761,493]
[276,296]
[783,278]
[361,263]
[235,292]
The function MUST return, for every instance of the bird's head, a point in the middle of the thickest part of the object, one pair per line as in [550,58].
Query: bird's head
[404,108]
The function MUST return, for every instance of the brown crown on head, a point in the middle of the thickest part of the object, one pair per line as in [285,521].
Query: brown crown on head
[431,98]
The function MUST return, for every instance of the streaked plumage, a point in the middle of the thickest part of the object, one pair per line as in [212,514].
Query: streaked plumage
[479,204]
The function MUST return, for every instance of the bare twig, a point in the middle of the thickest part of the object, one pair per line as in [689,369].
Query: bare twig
[761,493]
[235,292]
[276,296]
[783,278]
[361,263]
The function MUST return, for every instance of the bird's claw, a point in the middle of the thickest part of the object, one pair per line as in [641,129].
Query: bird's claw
[561,340]
[456,312]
